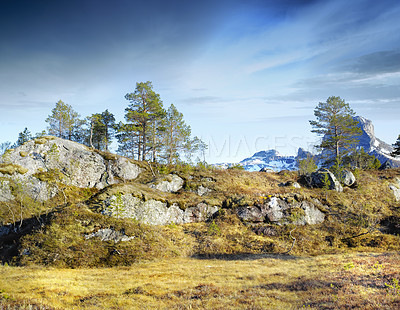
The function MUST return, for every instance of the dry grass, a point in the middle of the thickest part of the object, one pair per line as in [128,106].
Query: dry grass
[356,281]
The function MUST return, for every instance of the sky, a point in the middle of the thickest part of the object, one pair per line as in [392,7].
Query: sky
[247,75]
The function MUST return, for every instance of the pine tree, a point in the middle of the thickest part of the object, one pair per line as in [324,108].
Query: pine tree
[177,135]
[107,119]
[94,131]
[396,146]
[336,124]
[127,137]
[23,137]
[64,122]
[145,108]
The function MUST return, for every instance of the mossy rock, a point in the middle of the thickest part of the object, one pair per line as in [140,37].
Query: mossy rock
[40,141]
[48,176]
[43,140]
[11,169]
[106,155]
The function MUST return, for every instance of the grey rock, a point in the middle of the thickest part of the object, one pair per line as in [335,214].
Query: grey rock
[200,213]
[290,184]
[5,230]
[395,187]
[250,214]
[124,169]
[108,234]
[150,212]
[296,185]
[322,178]
[348,178]
[78,165]
[275,209]
[5,191]
[25,185]
[171,183]
[155,212]
[201,190]
[278,211]
[312,215]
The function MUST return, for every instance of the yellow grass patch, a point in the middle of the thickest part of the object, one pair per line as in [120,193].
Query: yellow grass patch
[366,281]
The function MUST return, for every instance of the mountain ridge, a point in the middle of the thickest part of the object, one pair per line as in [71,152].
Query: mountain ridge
[272,160]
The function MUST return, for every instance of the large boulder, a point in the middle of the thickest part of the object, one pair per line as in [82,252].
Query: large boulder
[155,212]
[348,178]
[250,214]
[279,211]
[170,183]
[323,178]
[147,205]
[37,163]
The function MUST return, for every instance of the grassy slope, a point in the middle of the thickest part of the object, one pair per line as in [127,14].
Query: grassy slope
[352,222]
[342,281]
[252,275]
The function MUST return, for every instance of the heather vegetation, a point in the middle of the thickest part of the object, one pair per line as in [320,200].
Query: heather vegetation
[245,240]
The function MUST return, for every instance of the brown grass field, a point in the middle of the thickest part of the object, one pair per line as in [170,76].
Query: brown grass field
[264,281]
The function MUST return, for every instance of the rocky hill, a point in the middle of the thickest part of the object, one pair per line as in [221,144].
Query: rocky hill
[62,203]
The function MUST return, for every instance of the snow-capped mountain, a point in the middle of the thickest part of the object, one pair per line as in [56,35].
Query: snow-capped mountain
[272,160]
[372,145]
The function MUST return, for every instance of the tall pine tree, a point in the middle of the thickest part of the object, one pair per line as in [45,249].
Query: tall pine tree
[177,135]
[337,127]
[64,121]
[143,112]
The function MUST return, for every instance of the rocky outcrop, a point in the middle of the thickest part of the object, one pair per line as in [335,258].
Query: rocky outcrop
[37,163]
[155,212]
[279,211]
[169,184]
[147,205]
[323,178]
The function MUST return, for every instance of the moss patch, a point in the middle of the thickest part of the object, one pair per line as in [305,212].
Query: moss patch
[11,169]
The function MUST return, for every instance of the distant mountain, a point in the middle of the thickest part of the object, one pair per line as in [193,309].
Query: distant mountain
[272,160]
[372,145]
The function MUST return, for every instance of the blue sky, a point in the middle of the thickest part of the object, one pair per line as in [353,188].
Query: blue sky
[247,75]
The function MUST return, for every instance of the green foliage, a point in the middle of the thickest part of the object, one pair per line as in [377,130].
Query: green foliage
[337,169]
[213,229]
[62,241]
[153,133]
[64,122]
[4,146]
[336,124]
[118,205]
[307,166]
[393,286]
[23,137]
[236,167]
[145,109]
[396,147]
[101,130]
[361,160]
[176,136]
